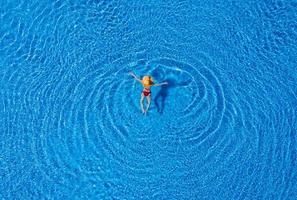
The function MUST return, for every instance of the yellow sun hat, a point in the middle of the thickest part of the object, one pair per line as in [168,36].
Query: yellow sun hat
[147,81]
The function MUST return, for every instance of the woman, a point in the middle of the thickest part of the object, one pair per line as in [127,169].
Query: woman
[146,82]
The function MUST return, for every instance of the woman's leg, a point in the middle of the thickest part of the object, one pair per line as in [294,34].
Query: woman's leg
[148,103]
[141,102]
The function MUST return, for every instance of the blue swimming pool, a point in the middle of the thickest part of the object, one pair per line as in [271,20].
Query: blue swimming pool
[71,125]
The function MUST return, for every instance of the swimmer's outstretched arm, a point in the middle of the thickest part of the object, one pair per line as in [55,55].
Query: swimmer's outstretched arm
[159,84]
[134,76]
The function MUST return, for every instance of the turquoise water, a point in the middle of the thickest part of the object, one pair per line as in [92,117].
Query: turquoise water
[71,125]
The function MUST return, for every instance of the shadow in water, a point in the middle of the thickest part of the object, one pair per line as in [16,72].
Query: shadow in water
[162,95]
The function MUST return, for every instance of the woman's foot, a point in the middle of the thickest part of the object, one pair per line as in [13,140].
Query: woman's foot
[145,112]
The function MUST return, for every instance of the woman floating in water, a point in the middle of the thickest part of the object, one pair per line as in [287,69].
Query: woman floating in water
[147,82]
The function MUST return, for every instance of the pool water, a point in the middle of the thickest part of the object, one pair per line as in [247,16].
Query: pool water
[71,126]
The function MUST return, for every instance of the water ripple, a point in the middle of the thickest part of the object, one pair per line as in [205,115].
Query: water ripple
[70,117]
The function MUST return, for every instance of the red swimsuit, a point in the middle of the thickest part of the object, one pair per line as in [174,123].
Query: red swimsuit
[146,91]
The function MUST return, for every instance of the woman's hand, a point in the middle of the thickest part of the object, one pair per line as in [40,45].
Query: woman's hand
[134,76]
[131,73]
[159,84]
[164,83]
